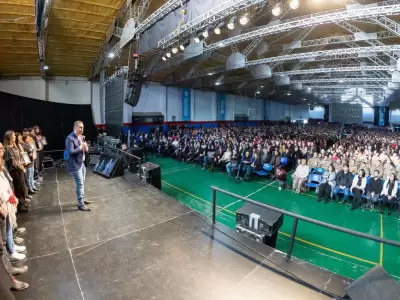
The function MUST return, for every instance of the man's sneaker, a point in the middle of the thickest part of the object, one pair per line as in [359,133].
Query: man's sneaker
[88,201]
[84,208]
[19,285]
[19,248]
[18,240]
[21,229]
[17,256]
[18,271]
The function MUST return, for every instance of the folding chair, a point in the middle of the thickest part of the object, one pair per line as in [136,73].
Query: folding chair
[266,169]
[313,181]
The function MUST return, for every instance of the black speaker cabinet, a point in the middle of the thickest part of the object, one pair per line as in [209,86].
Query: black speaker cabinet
[259,223]
[152,174]
[373,285]
[109,166]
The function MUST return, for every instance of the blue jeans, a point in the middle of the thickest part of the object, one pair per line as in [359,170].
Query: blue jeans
[29,178]
[79,177]
[9,236]
[229,167]
[337,190]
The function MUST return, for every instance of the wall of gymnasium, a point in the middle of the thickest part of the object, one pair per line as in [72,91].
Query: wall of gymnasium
[78,91]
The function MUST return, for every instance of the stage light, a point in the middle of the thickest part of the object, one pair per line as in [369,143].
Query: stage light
[45,67]
[304,99]
[262,86]
[197,39]
[168,54]
[221,44]
[205,33]
[217,83]
[182,47]
[217,30]
[174,50]
[289,93]
[277,10]
[294,4]
[257,92]
[164,58]
[111,55]
[340,81]
[244,19]
[232,23]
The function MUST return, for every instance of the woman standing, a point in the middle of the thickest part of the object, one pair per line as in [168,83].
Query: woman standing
[327,184]
[24,141]
[15,167]
[358,188]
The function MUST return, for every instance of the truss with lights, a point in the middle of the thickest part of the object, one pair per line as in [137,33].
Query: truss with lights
[316,55]
[160,13]
[211,17]
[340,80]
[350,86]
[310,20]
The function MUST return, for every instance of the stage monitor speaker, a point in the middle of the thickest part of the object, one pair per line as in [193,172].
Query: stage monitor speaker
[373,285]
[109,166]
[259,223]
[152,174]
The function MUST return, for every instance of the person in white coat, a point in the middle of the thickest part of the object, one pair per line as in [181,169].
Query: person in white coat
[358,188]
[388,194]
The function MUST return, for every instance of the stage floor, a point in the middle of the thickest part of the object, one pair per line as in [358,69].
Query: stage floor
[138,243]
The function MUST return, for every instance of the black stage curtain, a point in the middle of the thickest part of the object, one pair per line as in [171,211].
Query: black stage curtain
[54,119]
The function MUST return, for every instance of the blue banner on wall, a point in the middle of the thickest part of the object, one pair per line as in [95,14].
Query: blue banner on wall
[186,99]
[221,103]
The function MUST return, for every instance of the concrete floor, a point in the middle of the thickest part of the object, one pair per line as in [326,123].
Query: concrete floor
[138,243]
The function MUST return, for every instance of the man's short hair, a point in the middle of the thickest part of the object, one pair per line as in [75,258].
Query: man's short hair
[76,123]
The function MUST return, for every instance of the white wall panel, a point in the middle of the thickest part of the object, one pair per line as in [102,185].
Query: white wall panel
[394,116]
[299,112]
[35,89]
[174,104]
[274,111]
[204,106]
[317,113]
[95,94]
[368,114]
[71,92]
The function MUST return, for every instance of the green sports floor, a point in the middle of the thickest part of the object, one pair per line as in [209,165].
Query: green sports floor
[335,251]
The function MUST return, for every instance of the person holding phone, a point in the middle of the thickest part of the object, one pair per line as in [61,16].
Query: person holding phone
[77,149]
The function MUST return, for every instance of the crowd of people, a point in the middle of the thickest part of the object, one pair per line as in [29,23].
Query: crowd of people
[21,172]
[363,165]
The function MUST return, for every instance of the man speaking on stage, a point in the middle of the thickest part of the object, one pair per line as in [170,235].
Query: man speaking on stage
[77,148]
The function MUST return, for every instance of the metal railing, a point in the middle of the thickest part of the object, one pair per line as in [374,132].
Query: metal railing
[296,221]
[101,149]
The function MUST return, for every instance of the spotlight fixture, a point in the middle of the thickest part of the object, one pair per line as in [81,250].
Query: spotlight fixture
[277,10]
[198,38]
[45,67]
[340,81]
[244,19]
[289,93]
[258,92]
[217,83]
[294,4]
[217,30]
[205,33]
[174,50]
[221,44]
[182,47]
[164,58]
[262,86]
[168,54]
[209,74]
[111,55]
[232,23]
[304,99]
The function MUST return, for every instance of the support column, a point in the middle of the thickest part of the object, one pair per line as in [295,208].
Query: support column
[102,97]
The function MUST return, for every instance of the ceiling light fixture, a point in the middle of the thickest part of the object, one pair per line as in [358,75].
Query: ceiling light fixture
[45,67]
[232,23]
[198,38]
[205,33]
[277,10]
[164,58]
[289,93]
[182,47]
[294,4]
[217,30]
[168,54]
[244,19]
[174,50]
[111,55]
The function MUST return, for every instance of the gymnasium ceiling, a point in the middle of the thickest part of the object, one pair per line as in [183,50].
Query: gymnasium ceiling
[76,30]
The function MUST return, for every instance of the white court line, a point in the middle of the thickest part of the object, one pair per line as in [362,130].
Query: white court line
[177,170]
[97,244]
[66,239]
[251,194]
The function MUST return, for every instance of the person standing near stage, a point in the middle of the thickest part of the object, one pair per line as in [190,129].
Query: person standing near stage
[77,148]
